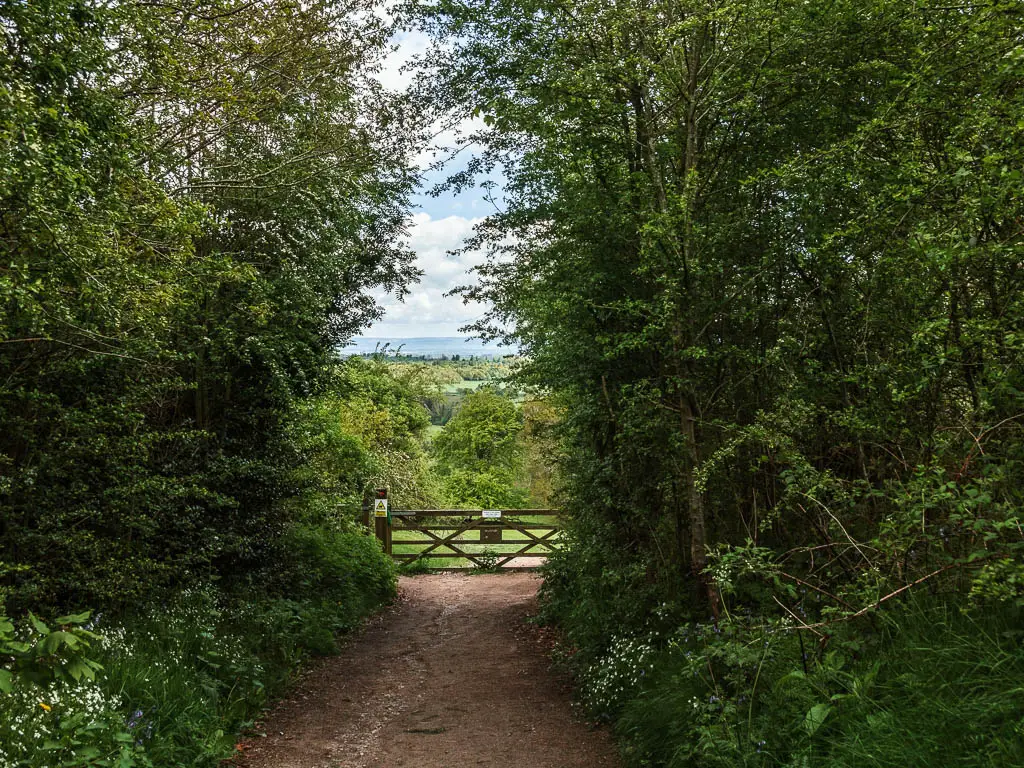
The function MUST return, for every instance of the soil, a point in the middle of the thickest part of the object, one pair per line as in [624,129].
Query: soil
[452,675]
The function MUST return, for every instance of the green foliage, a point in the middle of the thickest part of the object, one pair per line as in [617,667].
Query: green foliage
[53,709]
[414,567]
[172,685]
[486,561]
[764,260]
[441,385]
[47,655]
[182,255]
[926,688]
[202,669]
[341,571]
[196,203]
[381,408]
[479,455]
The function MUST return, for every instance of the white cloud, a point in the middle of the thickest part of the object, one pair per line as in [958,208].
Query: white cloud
[427,311]
[398,71]
[407,46]
[445,140]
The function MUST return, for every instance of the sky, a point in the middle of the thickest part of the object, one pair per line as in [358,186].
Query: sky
[438,225]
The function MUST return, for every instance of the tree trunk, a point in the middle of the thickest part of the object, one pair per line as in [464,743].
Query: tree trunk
[695,505]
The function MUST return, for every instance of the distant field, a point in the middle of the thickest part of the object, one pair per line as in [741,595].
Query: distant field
[453,389]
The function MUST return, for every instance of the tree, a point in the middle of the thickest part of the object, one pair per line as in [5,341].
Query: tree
[479,455]
[196,201]
[761,254]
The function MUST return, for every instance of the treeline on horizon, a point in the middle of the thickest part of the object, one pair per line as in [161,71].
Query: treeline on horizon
[767,259]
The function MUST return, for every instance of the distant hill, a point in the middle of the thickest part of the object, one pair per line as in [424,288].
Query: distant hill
[432,346]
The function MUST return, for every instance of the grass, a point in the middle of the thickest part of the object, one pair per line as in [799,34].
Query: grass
[464,386]
[921,686]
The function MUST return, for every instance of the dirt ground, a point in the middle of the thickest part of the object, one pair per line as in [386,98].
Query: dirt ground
[450,676]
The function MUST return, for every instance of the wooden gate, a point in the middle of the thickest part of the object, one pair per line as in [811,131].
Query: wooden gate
[485,538]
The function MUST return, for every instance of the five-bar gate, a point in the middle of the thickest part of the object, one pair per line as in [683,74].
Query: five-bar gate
[486,538]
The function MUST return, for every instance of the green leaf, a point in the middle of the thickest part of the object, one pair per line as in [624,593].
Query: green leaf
[793,676]
[74,618]
[6,681]
[79,668]
[816,718]
[55,640]
[41,628]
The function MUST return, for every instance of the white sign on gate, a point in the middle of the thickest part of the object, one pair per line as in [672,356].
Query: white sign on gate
[380,508]
[492,513]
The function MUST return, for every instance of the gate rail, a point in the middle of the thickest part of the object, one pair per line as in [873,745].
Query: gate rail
[444,534]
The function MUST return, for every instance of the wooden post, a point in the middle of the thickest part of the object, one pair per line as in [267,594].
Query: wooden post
[382,523]
[367,509]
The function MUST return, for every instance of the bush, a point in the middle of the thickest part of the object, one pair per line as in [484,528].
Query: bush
[53,710]
[921,686]
[174,684]
[337,576]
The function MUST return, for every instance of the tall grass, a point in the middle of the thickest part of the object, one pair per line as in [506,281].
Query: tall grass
[928,685]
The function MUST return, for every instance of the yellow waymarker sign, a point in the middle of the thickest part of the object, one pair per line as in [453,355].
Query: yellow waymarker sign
[380,508]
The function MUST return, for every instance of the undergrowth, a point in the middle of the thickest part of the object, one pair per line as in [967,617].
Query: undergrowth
[931,681]
[926,685]
[172,686]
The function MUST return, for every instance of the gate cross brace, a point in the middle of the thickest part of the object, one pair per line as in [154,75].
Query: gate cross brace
[545,540]
[519,527]
[446,541]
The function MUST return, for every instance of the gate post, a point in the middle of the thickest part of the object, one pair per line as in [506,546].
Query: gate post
[382,519]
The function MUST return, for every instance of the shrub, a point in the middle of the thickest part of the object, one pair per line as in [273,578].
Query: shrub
[172,685]
[53,710]
[922,686]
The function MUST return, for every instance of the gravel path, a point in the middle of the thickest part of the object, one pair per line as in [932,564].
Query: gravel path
[450,676]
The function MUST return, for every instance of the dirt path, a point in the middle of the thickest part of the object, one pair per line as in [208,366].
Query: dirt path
[449,677]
